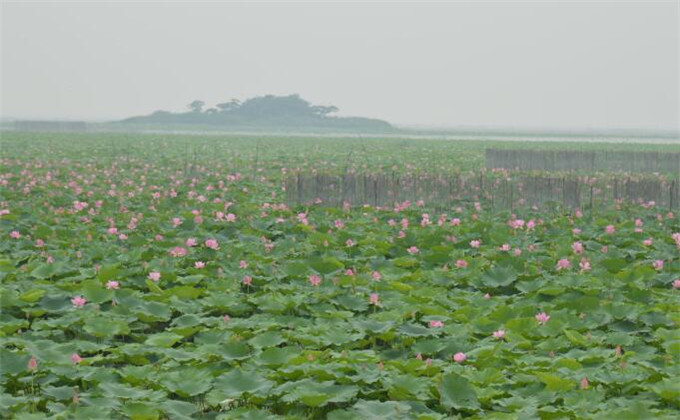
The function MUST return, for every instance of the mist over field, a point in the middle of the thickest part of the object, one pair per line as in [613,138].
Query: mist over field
[474,66]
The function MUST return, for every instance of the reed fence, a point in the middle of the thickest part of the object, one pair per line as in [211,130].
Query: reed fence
[589,161]
[497,190]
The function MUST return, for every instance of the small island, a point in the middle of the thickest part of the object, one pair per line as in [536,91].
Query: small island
[262,113]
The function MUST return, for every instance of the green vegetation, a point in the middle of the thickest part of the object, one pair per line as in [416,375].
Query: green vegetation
[164,277]
[264,112]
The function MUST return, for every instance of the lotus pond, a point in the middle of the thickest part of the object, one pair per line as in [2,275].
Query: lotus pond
[163,277]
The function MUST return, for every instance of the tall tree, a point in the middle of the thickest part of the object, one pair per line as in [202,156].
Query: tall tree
[196,106]
[229,106]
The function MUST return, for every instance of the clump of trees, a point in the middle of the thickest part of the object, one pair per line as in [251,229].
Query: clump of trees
[268,111]
[266,106]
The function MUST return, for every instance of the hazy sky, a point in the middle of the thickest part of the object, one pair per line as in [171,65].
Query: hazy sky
[492,64]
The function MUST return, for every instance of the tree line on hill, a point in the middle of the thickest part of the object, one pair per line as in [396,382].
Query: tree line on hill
[270,111]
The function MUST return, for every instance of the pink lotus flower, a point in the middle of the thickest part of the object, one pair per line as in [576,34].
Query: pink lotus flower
[647,242]
[461,264]
[176,221]
[112,284]
[676,284]
[112,231]
[339,224]
[504,247]
[349,272]
[517,252]
[199,264]
[584,264]
[436,324]
[376,275]
[39,243]
[584,384]
[242,264]
[459,357]
[638,222]
[79,205]
[373,299]
[563,264]
[191,242]
[349,243]
[75,358]
[14,234]
[475,243]
[487,296]
[154,276]
[542,318]
[158,237]
[576,231]
[577,247]
[499,334]
[247,280]
[455,221]
[658,265]
[605,249]
[212,244]
[78,301]
[231,217]
[314,280]
[413,250]
[610,229]
[226,318]
[32,363]
[122,236]
[178,251]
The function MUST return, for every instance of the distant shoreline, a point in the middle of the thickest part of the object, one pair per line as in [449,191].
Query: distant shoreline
[534,137]
[451,136]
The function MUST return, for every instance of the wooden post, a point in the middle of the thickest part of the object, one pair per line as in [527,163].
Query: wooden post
[299,188]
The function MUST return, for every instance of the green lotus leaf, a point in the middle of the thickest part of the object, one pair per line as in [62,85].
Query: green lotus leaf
[554,382]
[187,382]
[164,339]
[106,327]
[381,410]
[237,382]
[456,392]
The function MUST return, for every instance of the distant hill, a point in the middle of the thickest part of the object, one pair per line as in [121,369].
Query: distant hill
[262,112]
